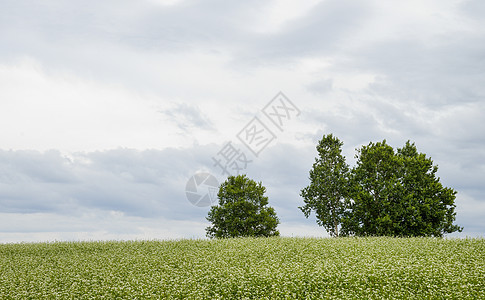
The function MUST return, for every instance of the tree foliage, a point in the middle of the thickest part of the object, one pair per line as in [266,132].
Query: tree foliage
[242,210]
[373,182]
[392,193]
[399,194]
[327,191]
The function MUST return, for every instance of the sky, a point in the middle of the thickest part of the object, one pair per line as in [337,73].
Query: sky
[109,108]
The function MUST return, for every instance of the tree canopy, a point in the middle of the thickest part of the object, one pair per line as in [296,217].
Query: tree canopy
[242,210]
[388,192]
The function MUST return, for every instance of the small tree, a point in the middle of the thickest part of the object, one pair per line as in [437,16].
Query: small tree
[328,187]
[242,210]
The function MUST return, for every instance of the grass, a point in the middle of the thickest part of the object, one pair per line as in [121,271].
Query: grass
[251,268]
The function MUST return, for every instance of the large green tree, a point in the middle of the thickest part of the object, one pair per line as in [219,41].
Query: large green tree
[242,210]
[374,180]
[328,189]
[427,208]
[397,193]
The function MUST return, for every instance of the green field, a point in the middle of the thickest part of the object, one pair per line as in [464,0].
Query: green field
[252,268]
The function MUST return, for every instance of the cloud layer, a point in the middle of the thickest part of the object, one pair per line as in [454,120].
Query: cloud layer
[108,107]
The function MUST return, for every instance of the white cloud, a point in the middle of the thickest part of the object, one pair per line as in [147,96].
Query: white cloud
[300,230]
[104,81]
[166,2]
[93,226]
[277,13]
[42,111]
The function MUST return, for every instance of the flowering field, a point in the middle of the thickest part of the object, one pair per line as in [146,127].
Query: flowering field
[258,268]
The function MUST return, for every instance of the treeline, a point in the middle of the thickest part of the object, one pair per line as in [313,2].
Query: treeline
[387,193]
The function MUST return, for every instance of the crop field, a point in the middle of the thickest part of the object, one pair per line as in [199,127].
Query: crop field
[246,268]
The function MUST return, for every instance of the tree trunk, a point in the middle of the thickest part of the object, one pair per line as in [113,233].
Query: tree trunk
[336,227]
[335,223]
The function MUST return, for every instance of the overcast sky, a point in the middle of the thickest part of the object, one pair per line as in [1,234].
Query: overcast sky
[107,108]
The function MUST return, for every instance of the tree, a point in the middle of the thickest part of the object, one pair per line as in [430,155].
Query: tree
[328,187]
[429,208]
[397,193]
[388,192]
[242,210]
[373,182]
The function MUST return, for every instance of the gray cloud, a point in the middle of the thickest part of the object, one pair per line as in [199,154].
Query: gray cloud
[140,183]
[150,184]
[321,32]
[187,117]
[147,184]
[474,8]
[84,38]
[426,86]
